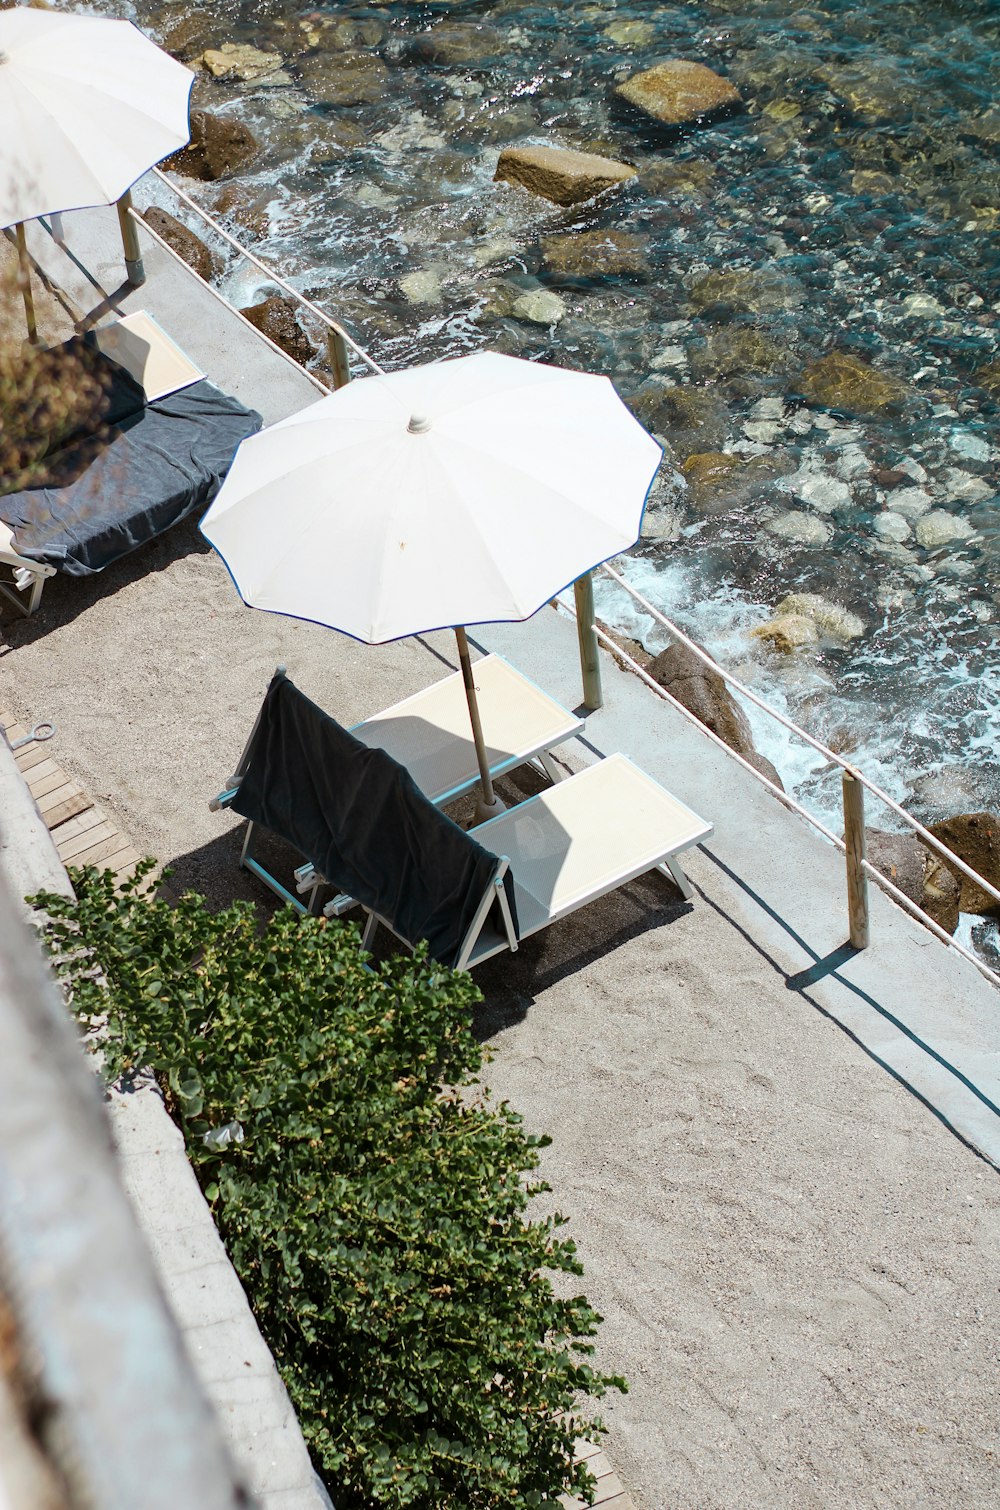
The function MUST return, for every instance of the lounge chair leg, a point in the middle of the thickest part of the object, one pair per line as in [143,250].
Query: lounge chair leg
[550,768]
[369,931]
[672,869]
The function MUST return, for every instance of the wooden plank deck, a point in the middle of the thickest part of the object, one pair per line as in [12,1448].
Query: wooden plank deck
[610,1489]
[82,832]
[85,835]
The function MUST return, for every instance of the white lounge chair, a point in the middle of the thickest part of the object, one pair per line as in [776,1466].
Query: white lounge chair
[366,827]
[429,733]
[571,844]
[27,576]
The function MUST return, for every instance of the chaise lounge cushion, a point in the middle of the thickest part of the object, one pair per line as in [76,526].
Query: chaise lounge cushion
[360,819]
[101,496]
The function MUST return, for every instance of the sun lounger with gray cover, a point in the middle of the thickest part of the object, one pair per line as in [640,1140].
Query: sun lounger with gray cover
[99,496]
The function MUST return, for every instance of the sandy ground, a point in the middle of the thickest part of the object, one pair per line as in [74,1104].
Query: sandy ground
[797,1263]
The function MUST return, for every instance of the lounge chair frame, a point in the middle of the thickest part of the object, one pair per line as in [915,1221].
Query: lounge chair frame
[653,825]
[28,576]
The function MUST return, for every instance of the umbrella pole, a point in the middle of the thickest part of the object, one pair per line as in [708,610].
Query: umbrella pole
[24,278]
[134,269]
[490,803]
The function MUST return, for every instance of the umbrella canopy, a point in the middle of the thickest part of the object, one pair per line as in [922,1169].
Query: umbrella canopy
[462,492]
[86,106]
[466,491]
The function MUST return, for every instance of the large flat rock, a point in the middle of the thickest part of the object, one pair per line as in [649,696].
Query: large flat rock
[678,93]
[560,175]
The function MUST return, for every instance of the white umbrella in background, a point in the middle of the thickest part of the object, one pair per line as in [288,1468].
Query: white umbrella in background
[87,105]
[461,492]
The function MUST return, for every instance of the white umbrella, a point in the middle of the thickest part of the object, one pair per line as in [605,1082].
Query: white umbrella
[86,106]
[466,491]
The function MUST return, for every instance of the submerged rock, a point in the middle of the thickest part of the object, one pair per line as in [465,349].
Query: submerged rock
[561,176]
[941,528]
[277,318]
[595,254]
[705,694]
[802,529]
[843,381]
[421,287]
[919,873]
[891,526]
[974,838]
[679,93]
[188,37]
[206,263]
[219,145]
[988,377]
[711,476]
[690,418]
[345,78]
[457,43]
[231,61]
[540,307]
[753,291]
[665,177]
[832,621]
[737,350]
[630,33]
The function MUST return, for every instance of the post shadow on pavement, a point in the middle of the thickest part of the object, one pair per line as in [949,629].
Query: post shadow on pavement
[830,966]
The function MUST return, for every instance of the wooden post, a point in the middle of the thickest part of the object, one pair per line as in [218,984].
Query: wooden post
[130,241]
[857,881]
[339,362]
[590,664]
[24,278]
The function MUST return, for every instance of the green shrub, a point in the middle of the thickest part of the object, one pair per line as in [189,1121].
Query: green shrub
[371,1197]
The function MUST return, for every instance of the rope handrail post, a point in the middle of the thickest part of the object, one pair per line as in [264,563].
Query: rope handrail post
[855,853]
[590,661]
[337,354]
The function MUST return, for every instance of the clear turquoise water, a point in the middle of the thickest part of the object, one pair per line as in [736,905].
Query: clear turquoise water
[861,184]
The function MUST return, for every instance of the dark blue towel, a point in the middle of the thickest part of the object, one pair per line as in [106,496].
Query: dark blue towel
[361,820]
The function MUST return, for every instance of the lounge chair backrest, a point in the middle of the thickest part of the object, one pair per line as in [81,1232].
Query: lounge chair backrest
[360,819]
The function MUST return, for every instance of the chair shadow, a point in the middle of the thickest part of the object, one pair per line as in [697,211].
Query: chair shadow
[65,598]
[512,983]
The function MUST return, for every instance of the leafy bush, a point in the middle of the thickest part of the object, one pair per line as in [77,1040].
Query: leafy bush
[371,1198]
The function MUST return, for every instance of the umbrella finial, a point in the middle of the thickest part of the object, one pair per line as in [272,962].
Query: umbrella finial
[419,424]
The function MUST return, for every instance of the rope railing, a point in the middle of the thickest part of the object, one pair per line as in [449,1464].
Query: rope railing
[854,809]
[336,334]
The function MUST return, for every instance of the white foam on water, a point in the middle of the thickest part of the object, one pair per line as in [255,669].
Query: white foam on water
[721,621]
